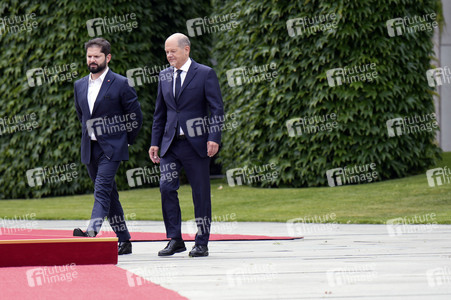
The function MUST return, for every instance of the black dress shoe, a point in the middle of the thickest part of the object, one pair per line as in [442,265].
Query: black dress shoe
[199,250]
[124,248]
[174,246]
[79,232]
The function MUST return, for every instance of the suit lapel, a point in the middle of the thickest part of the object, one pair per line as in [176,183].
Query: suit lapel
[189,76]
[83,102]
[168,84]
[107,81]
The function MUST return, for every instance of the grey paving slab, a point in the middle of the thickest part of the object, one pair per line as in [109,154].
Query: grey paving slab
[332,262]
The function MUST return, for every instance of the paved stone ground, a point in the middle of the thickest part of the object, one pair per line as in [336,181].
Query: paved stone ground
[331,262]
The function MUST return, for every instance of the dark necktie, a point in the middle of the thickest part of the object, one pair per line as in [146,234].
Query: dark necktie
[178,84]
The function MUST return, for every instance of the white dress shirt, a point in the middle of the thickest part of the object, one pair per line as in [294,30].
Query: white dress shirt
[184,69]
[93,91]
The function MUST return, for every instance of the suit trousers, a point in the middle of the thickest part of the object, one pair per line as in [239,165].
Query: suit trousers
[182,154]
[106,198]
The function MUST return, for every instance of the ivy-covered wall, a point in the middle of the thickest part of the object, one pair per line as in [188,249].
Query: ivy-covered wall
[309,86]
[328,85]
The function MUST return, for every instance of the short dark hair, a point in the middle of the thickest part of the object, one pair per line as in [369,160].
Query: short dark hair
[104,45]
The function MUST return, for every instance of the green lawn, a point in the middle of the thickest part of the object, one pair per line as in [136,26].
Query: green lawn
[364,203]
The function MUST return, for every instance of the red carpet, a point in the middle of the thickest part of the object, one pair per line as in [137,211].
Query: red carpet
[54,251]
[136,236]
[100,282]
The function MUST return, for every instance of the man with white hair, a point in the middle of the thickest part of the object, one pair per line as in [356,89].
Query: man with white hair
[188,106]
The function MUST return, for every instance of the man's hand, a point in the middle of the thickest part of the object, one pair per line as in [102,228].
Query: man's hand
[153,153]
[212,148]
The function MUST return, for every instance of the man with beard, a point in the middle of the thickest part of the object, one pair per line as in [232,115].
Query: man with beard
[110,116]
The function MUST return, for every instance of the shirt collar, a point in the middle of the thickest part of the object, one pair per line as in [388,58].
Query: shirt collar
[102,77]
[185,67]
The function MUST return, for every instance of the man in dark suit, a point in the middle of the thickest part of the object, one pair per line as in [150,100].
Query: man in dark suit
[111,118]
[186,131]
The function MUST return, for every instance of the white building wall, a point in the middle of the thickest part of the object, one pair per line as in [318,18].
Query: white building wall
[444,106]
